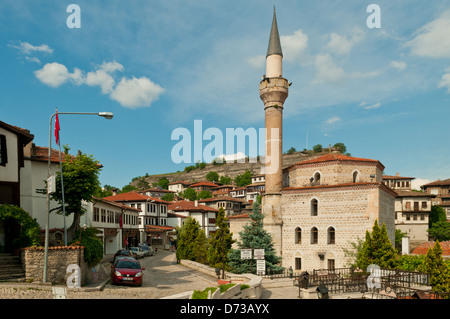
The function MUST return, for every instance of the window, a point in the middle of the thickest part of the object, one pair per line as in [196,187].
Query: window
[96,214]
[3,152]
[408,205]
[103,215]
[424,204]
[331,239]
[316,178]
[330,264]
[355,177]
[298,235]
[314,207]
[416,206]
[298,263]
[314,235]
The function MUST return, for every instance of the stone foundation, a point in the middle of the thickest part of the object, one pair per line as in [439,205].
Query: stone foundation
[59,258]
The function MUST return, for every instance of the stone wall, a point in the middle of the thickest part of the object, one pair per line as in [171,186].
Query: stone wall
[59,258]
[349,210]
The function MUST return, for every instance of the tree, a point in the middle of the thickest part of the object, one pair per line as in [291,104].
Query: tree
[317,148]
[342,148]
[163,182]
[128,188]
[81,181]
[188,236]
[254,236]
[220,243]
[226,180]
[201,248]
[244,179]
[190,193]
[204,194]
[439,271]
[440,231]
[398,239]
[292,150]
[169,197]
[377,249]
[212,176]
[437,214]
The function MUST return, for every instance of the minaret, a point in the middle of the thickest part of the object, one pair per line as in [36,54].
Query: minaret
[273,90]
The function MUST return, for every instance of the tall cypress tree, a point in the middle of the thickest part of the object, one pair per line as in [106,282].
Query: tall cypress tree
[254,236]
[188,235]
[220,243]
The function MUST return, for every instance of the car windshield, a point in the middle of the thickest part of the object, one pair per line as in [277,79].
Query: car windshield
[127,264]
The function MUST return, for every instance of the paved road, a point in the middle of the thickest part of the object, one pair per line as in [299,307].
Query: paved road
[162,277]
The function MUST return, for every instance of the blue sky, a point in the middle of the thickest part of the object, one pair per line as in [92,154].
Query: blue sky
[160,65]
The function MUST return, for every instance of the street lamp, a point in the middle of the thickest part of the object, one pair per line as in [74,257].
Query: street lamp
[106,115]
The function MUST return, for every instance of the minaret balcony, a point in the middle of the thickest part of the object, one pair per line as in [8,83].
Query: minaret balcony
[274,91]
[273,82]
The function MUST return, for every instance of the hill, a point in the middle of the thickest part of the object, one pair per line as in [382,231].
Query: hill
[228,169]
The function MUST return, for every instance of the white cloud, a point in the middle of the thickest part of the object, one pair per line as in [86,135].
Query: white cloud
[327,71]
[433,39]
[342,44]
[55,74]
[399,65]
[416,183]
[445,81]
[332,120]
[33,59]
[370,107]
[294,45]
[102,77]
[257,61]
[27,48]
[136,92]
[132,93]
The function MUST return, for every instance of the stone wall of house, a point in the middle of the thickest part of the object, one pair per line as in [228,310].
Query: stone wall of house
[350,210]
[59,258]
[333,173]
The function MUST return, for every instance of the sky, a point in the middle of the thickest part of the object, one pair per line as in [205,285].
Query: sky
[381,89]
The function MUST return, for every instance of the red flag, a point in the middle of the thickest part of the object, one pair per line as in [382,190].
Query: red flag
[57,128]
[120,221]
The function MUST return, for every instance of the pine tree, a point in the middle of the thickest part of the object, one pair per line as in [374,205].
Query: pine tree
[201,248]
[439,271]
[187,238]
[377,249]
[255,237]
[220,243]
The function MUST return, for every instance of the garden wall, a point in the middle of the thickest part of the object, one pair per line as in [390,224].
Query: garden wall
[59,257]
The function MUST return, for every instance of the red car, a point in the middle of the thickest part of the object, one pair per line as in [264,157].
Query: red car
[126,270]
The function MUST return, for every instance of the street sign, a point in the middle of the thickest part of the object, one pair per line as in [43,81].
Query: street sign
[261,267]
[51,184]
[258,254]
[246,254]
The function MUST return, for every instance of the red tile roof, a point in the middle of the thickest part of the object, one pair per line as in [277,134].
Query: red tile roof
[221,198]
[180,182]
[336,157]
[184,205]
[423,248]
[210,184]
[444,182]
[39,153]
[396,177]
[109,202]
[238,216]
[134,196]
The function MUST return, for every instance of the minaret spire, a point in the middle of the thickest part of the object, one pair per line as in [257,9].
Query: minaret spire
[274,39]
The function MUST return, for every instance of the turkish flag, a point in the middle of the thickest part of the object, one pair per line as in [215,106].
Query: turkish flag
[57,128]
[120,221]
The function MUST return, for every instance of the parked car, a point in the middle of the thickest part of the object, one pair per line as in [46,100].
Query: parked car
[127,270]
[123,252]
[148,250]
[138,252]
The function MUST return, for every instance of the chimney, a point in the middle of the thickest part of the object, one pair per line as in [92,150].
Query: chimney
[114,191]
[397,174]
[196,203]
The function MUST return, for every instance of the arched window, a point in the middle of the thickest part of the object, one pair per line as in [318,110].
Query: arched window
[314,207]
[298,235]
[355,177]
[317,178]
[314,236]
[331,236]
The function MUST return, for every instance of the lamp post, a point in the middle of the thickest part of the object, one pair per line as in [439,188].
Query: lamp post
[106,115]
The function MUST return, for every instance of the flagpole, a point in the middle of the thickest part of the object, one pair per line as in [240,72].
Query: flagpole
[58,141]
